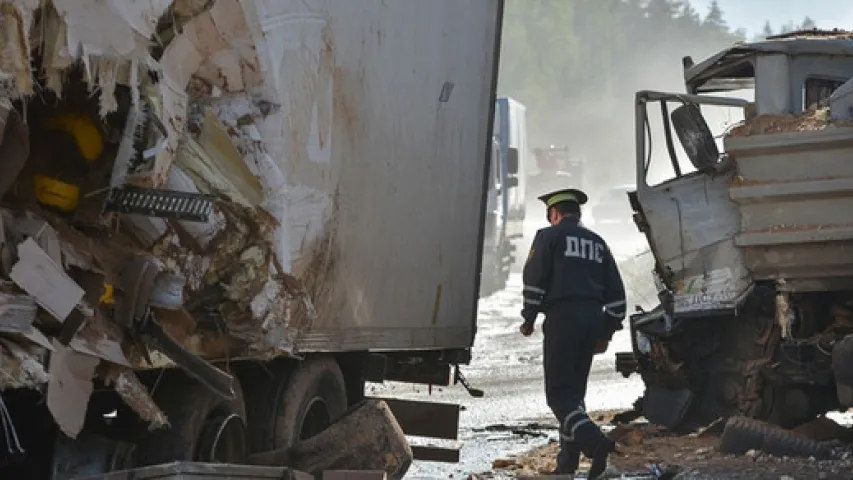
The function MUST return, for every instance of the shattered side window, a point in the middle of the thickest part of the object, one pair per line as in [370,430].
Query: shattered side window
[816,91]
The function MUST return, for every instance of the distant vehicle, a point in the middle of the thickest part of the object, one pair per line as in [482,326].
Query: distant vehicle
[505,207]
[612,211]
[555,168]
[611,216]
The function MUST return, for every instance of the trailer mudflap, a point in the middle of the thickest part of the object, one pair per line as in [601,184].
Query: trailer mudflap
[428,419]
[666,407]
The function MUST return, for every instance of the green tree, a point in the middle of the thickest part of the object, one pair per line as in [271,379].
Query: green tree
[576,64]
[767,30]
[808,24]
[715,19]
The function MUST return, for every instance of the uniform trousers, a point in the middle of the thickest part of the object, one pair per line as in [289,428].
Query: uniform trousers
[571,331]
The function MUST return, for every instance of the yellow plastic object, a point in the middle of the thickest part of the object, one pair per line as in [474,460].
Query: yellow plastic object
[108,297]
[57,194]
[83,129]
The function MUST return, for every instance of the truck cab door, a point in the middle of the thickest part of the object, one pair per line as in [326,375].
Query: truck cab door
[688,218]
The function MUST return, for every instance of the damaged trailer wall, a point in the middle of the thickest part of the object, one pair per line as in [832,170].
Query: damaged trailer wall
[336,153]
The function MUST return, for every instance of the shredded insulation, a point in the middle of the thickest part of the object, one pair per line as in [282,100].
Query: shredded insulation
[192,68]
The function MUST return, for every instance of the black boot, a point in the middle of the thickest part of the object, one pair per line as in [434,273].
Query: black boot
[605,446]
[568,459]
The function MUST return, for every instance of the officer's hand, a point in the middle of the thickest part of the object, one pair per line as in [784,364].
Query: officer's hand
[526,329]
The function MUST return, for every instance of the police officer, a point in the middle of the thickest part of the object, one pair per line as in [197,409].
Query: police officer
[572,278]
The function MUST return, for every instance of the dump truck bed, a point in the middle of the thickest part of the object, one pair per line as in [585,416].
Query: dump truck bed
[794,191]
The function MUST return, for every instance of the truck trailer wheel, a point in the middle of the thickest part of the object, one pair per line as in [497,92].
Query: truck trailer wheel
[295,404]
[742,434]
[203,426]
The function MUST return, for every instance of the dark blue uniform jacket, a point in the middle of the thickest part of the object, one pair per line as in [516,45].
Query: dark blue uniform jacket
[568,262]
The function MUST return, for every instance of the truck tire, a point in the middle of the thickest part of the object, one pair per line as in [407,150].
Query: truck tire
[742,434]
[296,403]
[203,426]
[842,368]
[695,136]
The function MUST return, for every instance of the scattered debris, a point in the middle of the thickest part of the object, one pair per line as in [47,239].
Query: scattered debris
[823,429]
[136,396]
[121,157]
[69,387]
[663,454]
[742,434]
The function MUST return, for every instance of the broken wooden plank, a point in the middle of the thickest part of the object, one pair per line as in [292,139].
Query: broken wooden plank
[426,419]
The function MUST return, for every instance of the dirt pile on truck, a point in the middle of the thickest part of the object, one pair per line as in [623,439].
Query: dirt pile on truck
[812,120]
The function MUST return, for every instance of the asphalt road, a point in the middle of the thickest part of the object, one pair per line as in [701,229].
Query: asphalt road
[513,417]
[508,367]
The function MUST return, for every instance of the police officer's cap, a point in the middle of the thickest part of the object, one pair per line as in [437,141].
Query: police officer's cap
[560,196]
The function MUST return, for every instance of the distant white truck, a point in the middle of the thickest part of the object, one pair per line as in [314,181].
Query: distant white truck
[506,203]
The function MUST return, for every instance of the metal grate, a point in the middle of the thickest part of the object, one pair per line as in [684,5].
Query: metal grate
[193,207]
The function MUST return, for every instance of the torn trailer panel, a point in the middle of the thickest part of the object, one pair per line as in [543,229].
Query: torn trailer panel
[272,108]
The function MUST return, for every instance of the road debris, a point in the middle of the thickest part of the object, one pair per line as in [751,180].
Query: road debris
[367,437]
[648,451]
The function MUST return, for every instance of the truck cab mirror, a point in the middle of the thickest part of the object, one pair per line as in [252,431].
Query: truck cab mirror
[511,182]
[512,161]
[695,136]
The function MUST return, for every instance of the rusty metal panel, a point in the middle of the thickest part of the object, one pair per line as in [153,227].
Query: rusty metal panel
[795,195]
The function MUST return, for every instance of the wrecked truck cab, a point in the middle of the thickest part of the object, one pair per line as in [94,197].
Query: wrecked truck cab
[743,193]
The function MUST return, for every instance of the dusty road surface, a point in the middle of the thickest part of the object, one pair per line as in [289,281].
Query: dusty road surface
[513,417]
[510,432]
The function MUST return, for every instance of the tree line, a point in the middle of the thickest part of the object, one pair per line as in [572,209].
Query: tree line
[577,64]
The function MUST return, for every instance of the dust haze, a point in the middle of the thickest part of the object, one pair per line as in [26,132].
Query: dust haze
[577,65]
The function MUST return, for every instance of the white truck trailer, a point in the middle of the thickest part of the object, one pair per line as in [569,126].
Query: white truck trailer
[220,218]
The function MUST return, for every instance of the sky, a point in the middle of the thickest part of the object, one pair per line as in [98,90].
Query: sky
[751,14]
